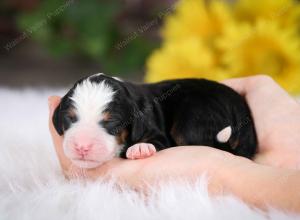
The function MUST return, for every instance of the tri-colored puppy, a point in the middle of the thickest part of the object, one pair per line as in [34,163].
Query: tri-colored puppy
[102,117]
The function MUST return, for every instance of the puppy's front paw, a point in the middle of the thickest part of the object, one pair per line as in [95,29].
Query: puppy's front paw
[140,151]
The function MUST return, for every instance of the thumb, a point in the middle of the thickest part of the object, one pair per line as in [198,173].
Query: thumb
[53,102]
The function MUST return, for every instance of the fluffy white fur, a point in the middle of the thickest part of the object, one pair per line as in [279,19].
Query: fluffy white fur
[91,99]
[32,186]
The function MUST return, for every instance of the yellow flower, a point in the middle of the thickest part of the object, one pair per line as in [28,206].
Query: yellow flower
[197,18]
[286,12]
[216,40]
[263,48]
[180,59]
[189,36]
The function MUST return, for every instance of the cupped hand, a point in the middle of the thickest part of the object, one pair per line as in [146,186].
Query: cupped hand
[277,120]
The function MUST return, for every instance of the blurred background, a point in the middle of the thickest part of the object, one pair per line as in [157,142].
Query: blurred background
[52,43]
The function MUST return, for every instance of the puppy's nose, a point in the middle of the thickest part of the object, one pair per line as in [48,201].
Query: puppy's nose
[82,149]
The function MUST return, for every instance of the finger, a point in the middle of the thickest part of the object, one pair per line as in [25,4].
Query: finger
[53,102]
[237,84]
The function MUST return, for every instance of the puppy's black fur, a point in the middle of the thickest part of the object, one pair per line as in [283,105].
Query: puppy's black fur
[172,113]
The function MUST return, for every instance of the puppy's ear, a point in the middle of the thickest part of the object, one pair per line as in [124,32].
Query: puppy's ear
[58,120]
[138,126]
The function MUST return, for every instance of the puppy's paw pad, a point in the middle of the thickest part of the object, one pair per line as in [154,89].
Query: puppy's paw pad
[140,151]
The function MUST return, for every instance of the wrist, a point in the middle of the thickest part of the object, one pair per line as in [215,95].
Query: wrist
[226,171]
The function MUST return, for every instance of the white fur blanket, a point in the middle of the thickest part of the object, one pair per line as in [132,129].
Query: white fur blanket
[32,186]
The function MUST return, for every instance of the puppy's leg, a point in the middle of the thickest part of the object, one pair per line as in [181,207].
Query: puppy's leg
[140,151]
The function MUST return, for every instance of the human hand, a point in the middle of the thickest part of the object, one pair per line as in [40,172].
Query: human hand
[277,120]
[222,167]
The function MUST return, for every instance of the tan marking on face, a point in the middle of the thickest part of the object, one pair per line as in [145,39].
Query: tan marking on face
[71,112]
[121,138]
[106,116]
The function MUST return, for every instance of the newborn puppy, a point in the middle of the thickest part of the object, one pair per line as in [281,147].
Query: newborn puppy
[102,117]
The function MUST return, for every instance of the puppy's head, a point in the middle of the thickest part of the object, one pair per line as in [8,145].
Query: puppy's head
[93,132]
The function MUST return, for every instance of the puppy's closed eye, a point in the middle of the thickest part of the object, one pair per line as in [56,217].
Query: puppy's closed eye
[71,119]
[111,122]
[106,116]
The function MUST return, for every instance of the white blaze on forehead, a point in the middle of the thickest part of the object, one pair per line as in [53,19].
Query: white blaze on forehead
[90,100]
